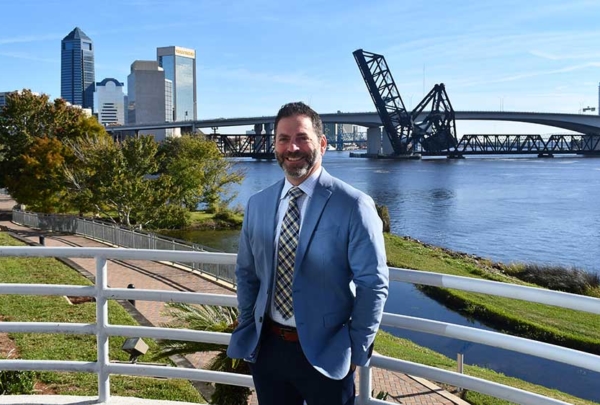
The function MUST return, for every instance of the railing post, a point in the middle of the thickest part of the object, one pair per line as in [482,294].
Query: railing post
[101,335]
[460,360]
[365,386]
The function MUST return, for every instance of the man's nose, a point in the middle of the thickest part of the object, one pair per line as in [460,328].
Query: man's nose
[292,147]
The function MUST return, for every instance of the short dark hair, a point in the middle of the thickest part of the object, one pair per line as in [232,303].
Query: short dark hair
[299,108]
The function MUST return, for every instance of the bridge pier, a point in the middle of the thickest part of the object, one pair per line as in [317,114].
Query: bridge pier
[387,148]
[268,137]
[373,141]
[455,155]
[258,137]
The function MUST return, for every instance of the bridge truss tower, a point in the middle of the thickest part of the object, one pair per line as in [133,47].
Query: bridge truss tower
[390,107]
[436,131]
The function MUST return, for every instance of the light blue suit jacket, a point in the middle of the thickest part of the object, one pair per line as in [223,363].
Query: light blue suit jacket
[341,241]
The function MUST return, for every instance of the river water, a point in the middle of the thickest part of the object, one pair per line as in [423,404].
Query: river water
[508,209]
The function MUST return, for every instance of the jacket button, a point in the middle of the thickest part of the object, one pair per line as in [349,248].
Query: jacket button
[260,319]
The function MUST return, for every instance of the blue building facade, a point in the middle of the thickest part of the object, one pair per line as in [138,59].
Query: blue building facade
[179,65]
[78,76]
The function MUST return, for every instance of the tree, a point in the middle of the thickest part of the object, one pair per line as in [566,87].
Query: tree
[40,181]
[199,173]
[81,172]
[24,120]
[213,319]
[109,177]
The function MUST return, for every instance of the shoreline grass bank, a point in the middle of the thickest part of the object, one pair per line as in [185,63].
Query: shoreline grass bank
[565,327]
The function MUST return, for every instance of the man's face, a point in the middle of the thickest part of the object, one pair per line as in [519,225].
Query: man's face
[298,148]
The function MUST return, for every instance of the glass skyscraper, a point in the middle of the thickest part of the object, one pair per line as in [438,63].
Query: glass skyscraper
[180,68]
[77,69]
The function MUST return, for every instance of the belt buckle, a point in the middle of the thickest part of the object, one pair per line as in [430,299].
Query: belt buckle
[285,332]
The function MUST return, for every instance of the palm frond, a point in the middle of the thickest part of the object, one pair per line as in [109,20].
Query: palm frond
[213,319]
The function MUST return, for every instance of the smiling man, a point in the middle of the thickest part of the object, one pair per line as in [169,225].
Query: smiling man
[311,275]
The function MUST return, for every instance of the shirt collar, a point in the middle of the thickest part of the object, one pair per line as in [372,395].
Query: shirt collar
[307,186]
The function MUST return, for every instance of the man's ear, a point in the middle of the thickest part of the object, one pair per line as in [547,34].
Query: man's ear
[323,144]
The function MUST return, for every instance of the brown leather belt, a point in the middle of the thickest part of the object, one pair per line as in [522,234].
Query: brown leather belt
[286,333]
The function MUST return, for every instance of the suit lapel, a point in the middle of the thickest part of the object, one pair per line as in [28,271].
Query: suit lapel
[313,214]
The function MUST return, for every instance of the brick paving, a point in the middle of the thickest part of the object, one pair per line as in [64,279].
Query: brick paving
[401,388]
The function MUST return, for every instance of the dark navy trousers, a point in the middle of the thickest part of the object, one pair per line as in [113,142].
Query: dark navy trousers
[283,376]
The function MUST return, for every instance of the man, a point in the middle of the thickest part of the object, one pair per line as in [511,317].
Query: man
[311,275]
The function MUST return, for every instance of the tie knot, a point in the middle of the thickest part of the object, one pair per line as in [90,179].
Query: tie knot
[295,192]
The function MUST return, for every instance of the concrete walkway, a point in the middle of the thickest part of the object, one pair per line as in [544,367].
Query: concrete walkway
[402,388]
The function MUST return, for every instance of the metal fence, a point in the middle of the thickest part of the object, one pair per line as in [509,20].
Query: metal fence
[118,236]
[103,329]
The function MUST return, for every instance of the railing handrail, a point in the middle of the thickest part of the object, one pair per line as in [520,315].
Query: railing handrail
[117,235]
[103,330]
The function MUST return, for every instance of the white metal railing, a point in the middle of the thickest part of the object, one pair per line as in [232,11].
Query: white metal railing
[102,329]
[116,235]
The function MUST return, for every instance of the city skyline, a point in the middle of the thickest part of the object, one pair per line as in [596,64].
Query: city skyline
[253,56]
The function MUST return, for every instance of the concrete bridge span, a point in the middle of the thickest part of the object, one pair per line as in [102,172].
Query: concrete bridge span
[582,123]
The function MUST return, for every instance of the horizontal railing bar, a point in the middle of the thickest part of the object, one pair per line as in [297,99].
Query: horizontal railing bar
[48,327]
[121,253]
[47,289]
[183,373]
[464,381]
[531,294]
[171,296]
[49,365]
[169,334]
[495,339]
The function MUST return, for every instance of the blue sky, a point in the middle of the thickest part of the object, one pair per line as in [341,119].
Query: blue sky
[255,55]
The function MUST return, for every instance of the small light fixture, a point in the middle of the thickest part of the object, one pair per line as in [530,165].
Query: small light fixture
[136,347]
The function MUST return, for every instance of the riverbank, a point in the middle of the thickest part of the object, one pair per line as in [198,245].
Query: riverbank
[563,327]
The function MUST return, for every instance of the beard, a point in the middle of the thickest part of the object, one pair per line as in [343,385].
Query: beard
[297,170]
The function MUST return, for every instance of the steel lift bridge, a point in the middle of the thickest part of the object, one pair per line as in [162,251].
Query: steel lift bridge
[436,130]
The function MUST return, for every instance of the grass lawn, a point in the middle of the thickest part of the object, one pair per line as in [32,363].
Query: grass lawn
[224,220]
[74,347]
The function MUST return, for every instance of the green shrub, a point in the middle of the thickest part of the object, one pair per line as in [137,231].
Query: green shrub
[16,382]
[558,278]
[384,214]
[172,217]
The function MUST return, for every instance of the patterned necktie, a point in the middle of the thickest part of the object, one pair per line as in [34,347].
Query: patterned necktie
[286,255]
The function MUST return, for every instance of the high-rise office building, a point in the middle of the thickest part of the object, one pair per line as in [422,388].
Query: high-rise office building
[77,69]
[3,95]
[109,100]
[149,97]
[180,68]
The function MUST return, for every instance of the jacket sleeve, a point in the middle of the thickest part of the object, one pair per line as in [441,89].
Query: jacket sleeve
[247,281]
[367,258]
